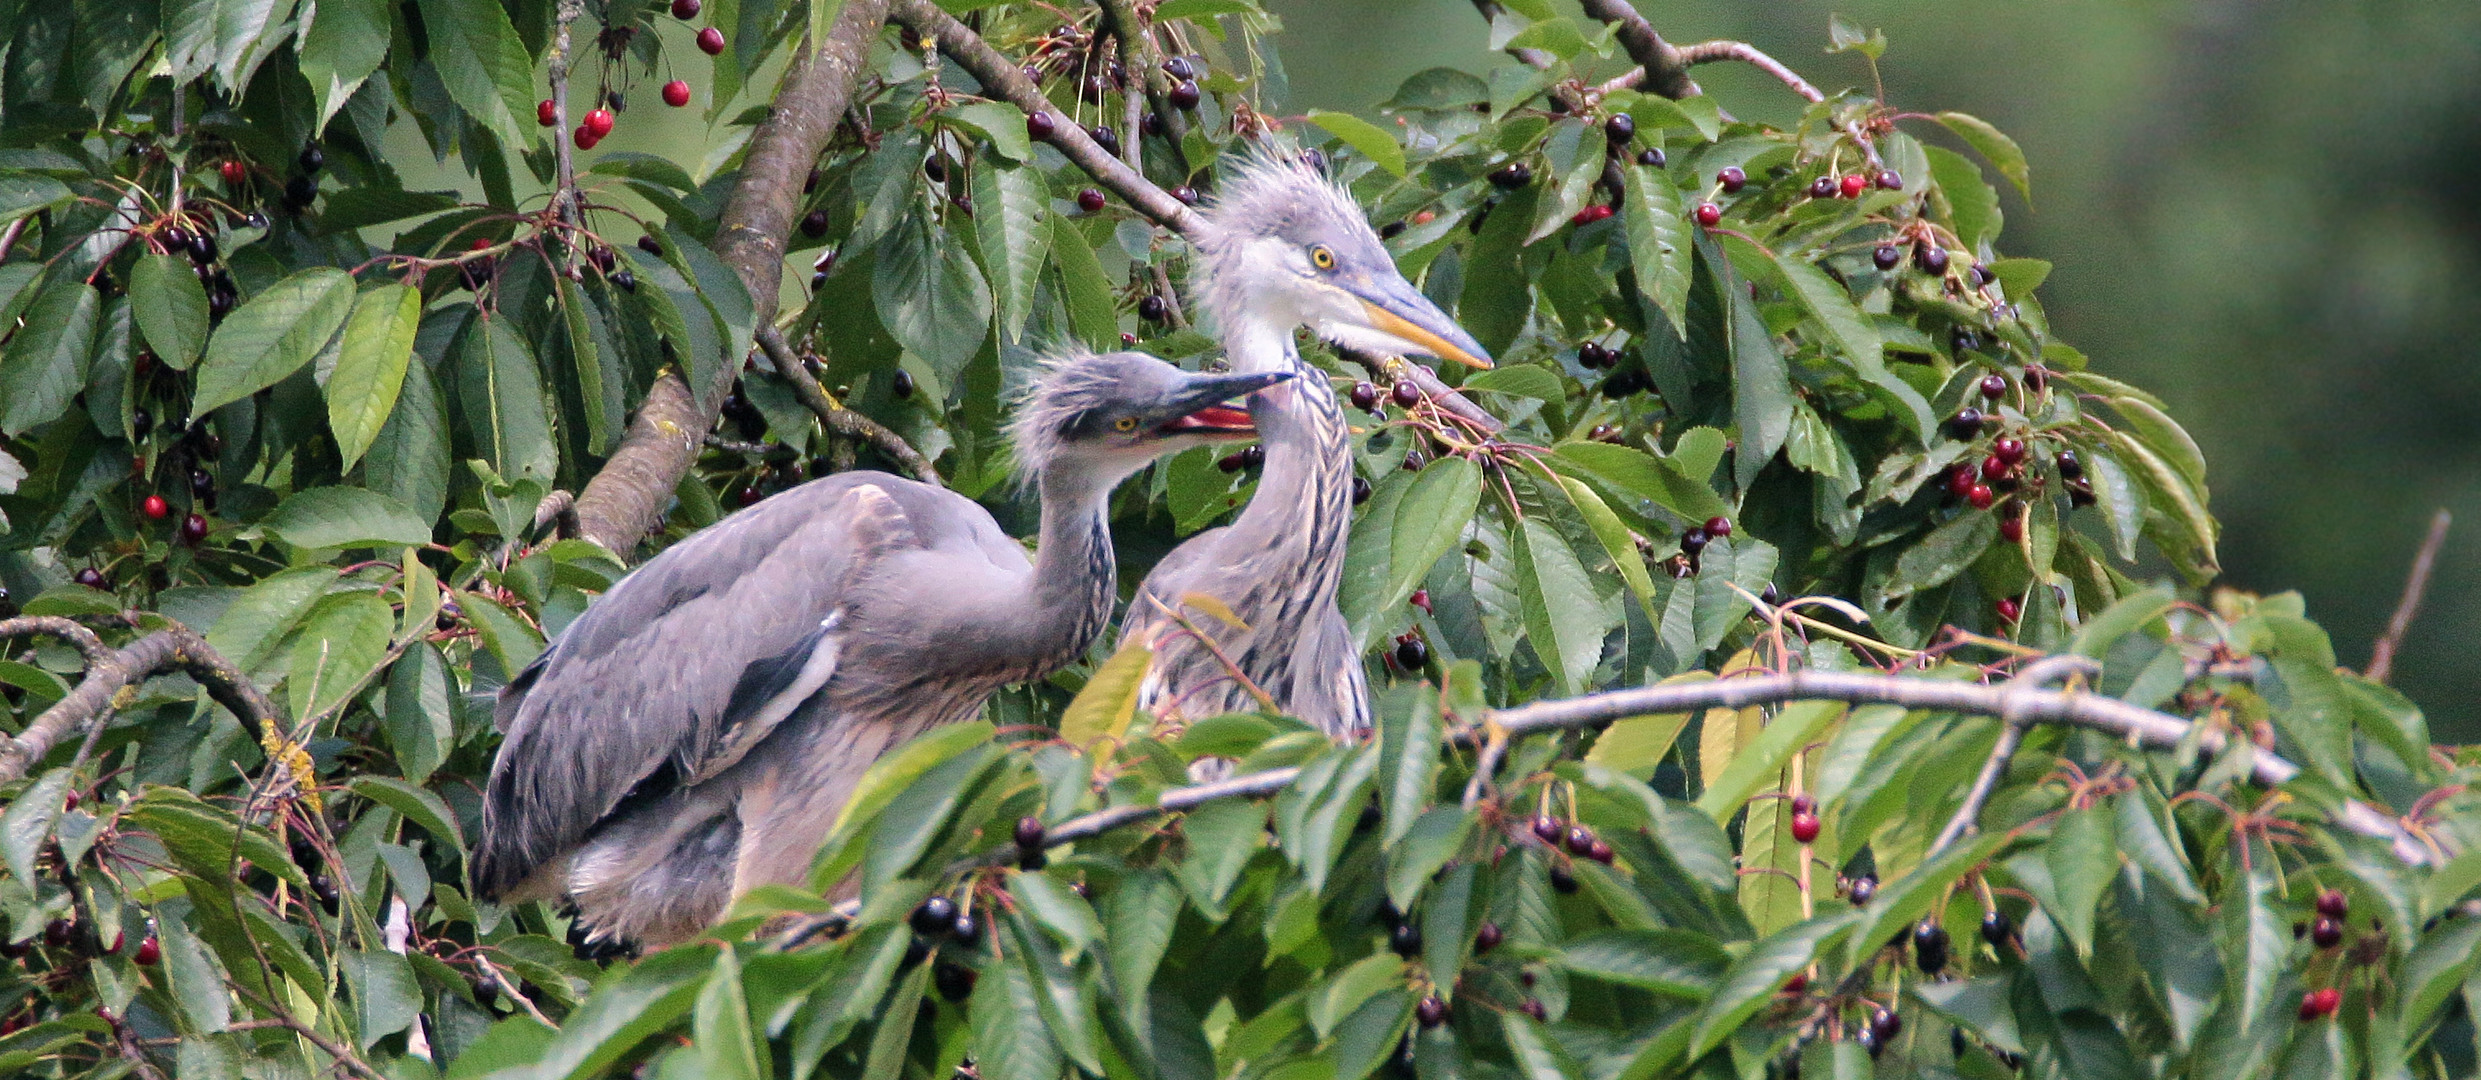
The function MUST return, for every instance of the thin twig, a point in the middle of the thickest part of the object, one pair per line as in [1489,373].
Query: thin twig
[1707,52]
[2382,657]
[176,647]
[839,420]
[327,1046]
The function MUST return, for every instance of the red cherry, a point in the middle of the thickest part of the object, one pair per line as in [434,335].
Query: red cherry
[1960,481]
[1981,496]
[2009,609]
[155,507]
[711,41]
[234,172]
[2010,451]
[1798,983]
[1590,215]
[600,122]
[1731,179]
[1090,200]
[1421,599]
[150,953]
[1805,827]
[1994,387]
[676,93]
[1709,214]
[1994,469]
[546,114]
[2319,1004]
[1890,179]
[2011,528]
[1854,184]
[193,528]
[584,137]
[1718,526]
[686,9]
[1803,804]
[2333,904]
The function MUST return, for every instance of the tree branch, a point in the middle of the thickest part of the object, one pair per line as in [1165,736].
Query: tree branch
[1001,78]
[625,499]
[839,420]
[563,197]
[1145,68]
[111,671]
[1533,58]
[1664,69]
[2382,656]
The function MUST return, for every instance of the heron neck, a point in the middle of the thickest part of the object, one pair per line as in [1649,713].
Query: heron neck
[1075,580]
[1303,505]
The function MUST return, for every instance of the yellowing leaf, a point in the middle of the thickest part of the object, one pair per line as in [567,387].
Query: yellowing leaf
[1103,709]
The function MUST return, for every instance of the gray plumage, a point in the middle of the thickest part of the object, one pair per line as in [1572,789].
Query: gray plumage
[1284,247]
[695,733]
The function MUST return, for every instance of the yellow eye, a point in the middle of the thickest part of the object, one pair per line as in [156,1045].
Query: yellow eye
[1321,258]
[1126,423]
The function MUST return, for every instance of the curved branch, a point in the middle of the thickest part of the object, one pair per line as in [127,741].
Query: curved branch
[108,673]
[1663,69]
[839,420]
[1001,78]
[1532,58]
[628,495]
[2382,655]
[1707,52]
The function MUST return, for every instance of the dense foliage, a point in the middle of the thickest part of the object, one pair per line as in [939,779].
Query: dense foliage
[255,387]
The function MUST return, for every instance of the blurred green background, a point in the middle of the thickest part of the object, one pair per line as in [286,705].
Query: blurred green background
[2268,214]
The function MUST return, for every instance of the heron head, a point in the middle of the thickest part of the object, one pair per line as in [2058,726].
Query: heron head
[1285,243]
[1106,415]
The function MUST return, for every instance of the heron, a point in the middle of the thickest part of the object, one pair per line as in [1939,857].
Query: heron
[1283,247]
[694,734]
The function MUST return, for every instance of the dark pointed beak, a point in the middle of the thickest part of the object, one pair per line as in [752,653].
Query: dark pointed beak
[1397,310]
[1203,406]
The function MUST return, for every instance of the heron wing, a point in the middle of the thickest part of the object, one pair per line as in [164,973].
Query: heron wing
[690,661]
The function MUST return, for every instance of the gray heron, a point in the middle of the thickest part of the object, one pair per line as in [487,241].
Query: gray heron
[1284,247]
[694,734]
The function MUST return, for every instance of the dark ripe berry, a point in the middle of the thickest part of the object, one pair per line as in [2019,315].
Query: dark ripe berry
[1090,200]
[1860,889]
[1929,946]
[1982,276]
[687,9]
[1106,138]
[626,279]
[1694,540]
[1994,468]
[1955,1043]
[1093,89]
[750,495]
[676,93]
[14,950]
[2080,493]
[202,248]
[1487,938]
[312,159]
[1651,158]
[711,41]
[1803,804]
[616,101]
[935,169]
[1032,860]
[1180,67]
[1313,160]
[2072,469]
[254,220]
[1981,496]
[1186,194]
[2011,526]
[955,981]
[1770,598]
[901,384]
[1421,599]
[56,933]
[1718,526]
[650,245]
[1709,214]
[1601,852]
[1040,125]
[141,422]
[1931,258]
[1232,462]
[2331,903]
[89,577]
[105,1013]
[937,915]
[1886,1025]
[1622,383]
[1580,839]
[2009,450]
[1589,355]
[300,192]
[1533,1006]
[1364,395]
[1590,215]
[2009,610]
[1731,179]
[1822,188]
[1963,340]
[1805,826]
[1605,433]
[2326,933]
[2319,1004]
[916,951]
[1405,394]
[1620,128]
[1360,491]
[1994,387]
[814,224]
[1796,985]
[155,507]
[818,281]
[1853,184]
[1514,174]
[1412,654]
[1996,928]
[1151,308]
[193,529]
[967,930]
[1548,830]
[1430,1013]
[1965,424]
[1185,95]
[1406,940]
[600,122]
[1890,180]
[1029,833]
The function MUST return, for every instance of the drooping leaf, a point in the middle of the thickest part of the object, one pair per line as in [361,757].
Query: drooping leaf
[1372,141]
[272,335]
[370,367]
[171,308]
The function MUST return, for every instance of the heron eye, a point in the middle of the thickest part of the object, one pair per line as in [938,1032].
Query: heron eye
[1126,423]
[1321,258]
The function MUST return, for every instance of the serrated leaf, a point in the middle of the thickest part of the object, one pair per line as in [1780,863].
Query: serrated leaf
[1972,204]
[386,999]
[1756,764]
[27,823]
[44,364]
[482,64]
[1564,619]
[1943,554]
[931,296]
[1993,144]
[1408,764]
[1429,520]
[370,367]
[1371,140]
[343,641]
[1011,202]
[1658,243]
[1091,311]
[1753,980]
[272,335]
[1103,709]
[170,307]
[341,47]
[336,517]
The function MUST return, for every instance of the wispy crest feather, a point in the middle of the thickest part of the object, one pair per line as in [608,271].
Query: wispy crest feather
[1268,192]
[1066,383]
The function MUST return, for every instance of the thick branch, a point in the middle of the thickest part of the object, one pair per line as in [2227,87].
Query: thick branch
[2382,657]
[1666,70]
[1533,58]
[627,497]
[839,420]
[176,647]
[1001,78]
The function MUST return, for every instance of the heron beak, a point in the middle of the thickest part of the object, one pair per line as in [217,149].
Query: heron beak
[1201,408]
[1395,310]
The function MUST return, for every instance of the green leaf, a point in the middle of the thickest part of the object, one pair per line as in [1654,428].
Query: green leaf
[1673,963]
[1204,9]
[259,618]
[1943,554]
[1429,521]
[483,65]
[2439,965]
[1972,204]
[1993,144]
[2132,613]
[272,336]
[1103,709]
[1564,620]
[1436,89]
[1010,202]
[2083,855]
[1362,135]
[931,296]
[370,367]
[1634,474]
[44,364]
[1832,307]
[502,391]
[1761,389]
[345,517]
[1757,764]
[1222,836]
[341,645]
[23,193]
[2121,502]
[418,805]
[1752,980]
[197,984]
[386,999]
[720,1033]
[1658,243]
[171,308]
[626,1011]
[1617,542]
[340,48]
[2180,501]
[1000,122]
[421,722]
[1408,764]
[1435,837]
[1346,990]
[1010,1039]
[27,823]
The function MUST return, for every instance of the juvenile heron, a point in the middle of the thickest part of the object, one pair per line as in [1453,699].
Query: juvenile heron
[694,734]
[1285,247]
